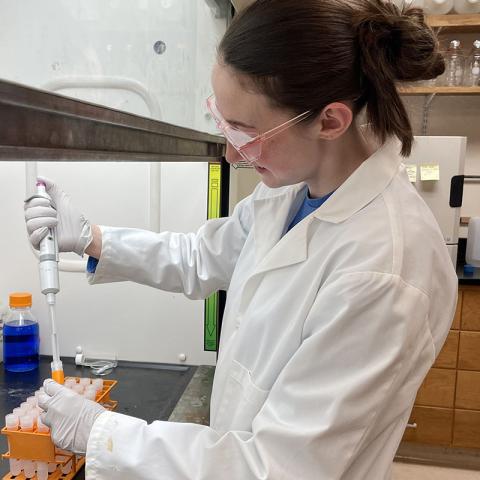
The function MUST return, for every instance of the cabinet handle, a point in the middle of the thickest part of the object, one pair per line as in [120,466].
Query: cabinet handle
[411,425]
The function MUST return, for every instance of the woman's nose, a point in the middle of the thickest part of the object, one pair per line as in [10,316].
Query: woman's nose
[231,155]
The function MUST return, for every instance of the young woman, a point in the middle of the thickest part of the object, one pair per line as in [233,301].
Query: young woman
[340,288]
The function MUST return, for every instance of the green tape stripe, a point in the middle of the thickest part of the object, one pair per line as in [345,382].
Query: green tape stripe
[211,303]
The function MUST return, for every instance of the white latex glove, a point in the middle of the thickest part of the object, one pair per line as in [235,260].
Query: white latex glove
[69,416]
[74,232]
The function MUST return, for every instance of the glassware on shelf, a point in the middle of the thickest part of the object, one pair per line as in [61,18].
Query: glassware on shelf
[454,65]
[466,6]
[438,7]
[472,69]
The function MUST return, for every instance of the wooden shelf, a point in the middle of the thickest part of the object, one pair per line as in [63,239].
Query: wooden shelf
[439,90]
[455,23]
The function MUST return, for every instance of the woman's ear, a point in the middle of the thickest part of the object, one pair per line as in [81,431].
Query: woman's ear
[333,121]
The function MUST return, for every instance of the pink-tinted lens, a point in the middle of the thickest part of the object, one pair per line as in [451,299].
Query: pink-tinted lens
[251,152]
[236,137]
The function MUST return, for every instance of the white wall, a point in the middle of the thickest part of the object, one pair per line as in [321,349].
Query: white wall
[58,40]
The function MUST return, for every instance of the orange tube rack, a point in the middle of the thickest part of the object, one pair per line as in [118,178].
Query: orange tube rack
[39,447]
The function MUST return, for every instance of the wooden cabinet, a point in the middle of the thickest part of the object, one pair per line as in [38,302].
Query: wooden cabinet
[447,407]
[466,432]
[438,389]
[469,351]
[447,358]
[471,310]
[432,425]
[468,390]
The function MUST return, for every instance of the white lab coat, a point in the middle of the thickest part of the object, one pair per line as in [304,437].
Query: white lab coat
[328,332]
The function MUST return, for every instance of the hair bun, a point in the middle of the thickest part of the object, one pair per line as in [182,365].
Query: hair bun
[396,43]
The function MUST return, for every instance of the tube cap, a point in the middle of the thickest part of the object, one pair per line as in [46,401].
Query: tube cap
[20,299]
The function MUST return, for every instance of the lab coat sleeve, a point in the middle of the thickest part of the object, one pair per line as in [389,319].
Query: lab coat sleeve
[365,338]
[195,264]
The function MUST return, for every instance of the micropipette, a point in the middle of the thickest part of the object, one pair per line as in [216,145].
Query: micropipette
[49,284]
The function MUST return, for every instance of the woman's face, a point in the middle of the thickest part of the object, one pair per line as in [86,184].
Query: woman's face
[287,158]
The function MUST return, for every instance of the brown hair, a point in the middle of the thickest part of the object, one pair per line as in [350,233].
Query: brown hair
[305,54]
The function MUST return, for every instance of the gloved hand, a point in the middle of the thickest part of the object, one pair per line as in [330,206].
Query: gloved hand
[69,416]
[74,232]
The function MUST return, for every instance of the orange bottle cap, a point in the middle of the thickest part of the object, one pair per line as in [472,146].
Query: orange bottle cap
[20,299]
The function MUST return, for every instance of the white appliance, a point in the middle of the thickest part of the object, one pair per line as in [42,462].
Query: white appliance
[442,158]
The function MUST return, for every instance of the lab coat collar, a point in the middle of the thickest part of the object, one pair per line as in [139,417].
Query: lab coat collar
[367,182]
[275,249]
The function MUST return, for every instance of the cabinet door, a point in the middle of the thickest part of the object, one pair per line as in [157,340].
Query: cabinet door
[468,390]
[467,429]
[447,358]
[433,425]
[469,351]
[458,313]
[438,388]
[471,310]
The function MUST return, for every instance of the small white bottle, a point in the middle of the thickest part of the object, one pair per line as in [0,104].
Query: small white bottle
[454,65]
[466,6]
[472,71]
[438,7]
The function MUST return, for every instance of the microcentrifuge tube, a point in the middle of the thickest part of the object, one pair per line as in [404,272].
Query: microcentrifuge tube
[97,383]
[70,382]
[41,427]
[29,468]
[66,468]
[42,470]
[32,401]
[26,423]
[52,467]
[85,381]
[19,412]
[11,422]
[90,393]
[16,466]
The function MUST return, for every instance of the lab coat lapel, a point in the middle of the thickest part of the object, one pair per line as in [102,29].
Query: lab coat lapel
[274,248]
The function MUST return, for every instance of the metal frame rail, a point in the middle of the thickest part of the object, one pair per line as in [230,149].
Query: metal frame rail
[40,125]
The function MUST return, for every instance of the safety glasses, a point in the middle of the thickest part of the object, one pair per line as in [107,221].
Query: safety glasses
[248,143]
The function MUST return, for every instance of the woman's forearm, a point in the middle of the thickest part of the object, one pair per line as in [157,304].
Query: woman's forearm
[95,247]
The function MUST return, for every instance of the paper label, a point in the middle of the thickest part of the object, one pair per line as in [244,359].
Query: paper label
[412,172]
[430,172]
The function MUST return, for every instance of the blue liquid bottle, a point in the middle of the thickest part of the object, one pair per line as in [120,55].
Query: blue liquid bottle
[20,335]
